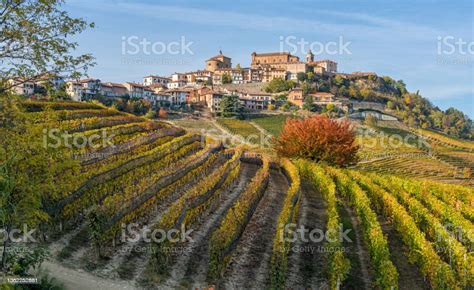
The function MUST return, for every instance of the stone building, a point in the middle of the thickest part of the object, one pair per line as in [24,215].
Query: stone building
[218,62]
[324,66]
[275,59]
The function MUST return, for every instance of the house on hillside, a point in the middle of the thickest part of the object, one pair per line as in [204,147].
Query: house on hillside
[295,96]
[363,113]
[324,66]
[235,75]
[21,87]
[178,96]
[255,101]
[112,90]
[322,98]
[55,80]
[151,80]
[135,90]
[213,100]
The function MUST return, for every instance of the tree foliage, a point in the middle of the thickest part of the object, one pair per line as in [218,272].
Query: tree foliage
[226,78]
[278,85]
[230,106]
[319,139]
[33,43]
[34,40]
[29,170]
[412,108]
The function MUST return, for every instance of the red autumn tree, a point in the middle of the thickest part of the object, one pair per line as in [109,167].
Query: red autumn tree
[319,139]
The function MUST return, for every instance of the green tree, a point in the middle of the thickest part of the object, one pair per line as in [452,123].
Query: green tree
[338,81]
[367,94]
[226,78]
[306,88]
[151,114]
[230,106]
[301,76]
[330,107]
[35,41]
[286,106]
[29,171]
[308,103]
[278,85]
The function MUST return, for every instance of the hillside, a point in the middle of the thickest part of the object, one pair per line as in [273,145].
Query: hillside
[411,108]
[236,202]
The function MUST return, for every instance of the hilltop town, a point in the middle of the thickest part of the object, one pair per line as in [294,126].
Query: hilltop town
[274,81]
[208,85]
[281,173]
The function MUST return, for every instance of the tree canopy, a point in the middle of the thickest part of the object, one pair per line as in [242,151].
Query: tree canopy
[319,139]
[34,41]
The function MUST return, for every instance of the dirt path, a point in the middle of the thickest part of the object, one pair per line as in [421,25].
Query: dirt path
[249,266]
[307,261]
[131,261]
[361,273]
[80,280]
[192,265]
[409,276]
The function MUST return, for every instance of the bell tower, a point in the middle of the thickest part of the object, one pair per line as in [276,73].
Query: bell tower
[309,56]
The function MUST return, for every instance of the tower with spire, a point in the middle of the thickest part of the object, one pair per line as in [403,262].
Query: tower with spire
[309,56]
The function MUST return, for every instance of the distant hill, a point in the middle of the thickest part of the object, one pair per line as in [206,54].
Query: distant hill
[413,109]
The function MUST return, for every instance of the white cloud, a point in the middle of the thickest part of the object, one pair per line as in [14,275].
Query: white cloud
[372,28]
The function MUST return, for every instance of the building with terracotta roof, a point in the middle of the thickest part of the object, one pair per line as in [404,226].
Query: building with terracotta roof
[135,90]
[325,66]
[21,87]
[198,77]
[151,79]
[236,75]
[217,62]
[272,58]
[269,73]
[322,98]
[278,65]
[83,89]
[295,96]
[253,101]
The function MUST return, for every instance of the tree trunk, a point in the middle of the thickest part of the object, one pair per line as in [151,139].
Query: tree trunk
[5,246]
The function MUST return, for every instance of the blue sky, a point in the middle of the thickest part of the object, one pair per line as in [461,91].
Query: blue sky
[408,40]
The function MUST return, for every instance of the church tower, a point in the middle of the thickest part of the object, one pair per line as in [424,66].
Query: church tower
[309,56]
